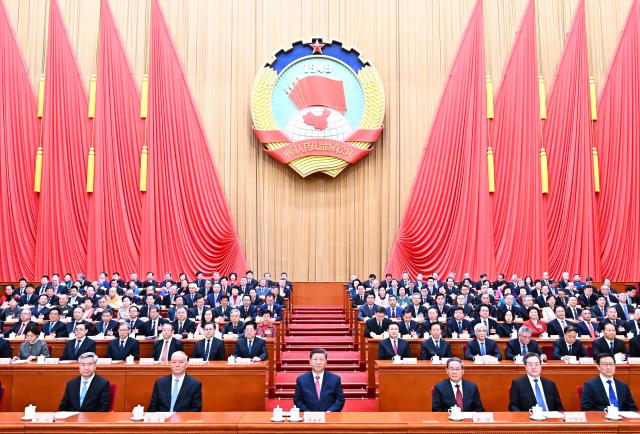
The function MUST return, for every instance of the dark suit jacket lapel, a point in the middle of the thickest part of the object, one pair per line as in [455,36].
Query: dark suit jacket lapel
[185,382]
[467,395]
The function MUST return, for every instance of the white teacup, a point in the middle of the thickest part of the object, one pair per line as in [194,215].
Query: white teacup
[29,411]
[619,357]
[454,335]
[536,412]
[611,412]
[572,359]
[435,359]
[138,412]
[294,413]
[277,413]
[544,335]
[518,359]
[455,412]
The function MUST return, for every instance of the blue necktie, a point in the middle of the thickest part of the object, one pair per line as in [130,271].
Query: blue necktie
[206,351]
[483,352]
[611,348]
[613,399]
[83,391]
[539,396]
[174,393]
[249,345]
[524,350]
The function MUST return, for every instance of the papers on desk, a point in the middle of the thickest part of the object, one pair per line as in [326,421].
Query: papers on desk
[18,362]
[553,414]
[629,414]
[65,414]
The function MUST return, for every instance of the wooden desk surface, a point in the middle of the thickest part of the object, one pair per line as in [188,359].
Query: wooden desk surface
[396,380]
[258,422]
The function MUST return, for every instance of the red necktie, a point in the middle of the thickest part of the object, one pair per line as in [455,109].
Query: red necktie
[318,386]
[395,347]
[593,335]
[458,396]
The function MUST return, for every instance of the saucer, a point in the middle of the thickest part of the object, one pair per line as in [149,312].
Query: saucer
[456,418]
[26,418]
[277,420]
[613,418]
[137,418]
[297,419]
[537,418]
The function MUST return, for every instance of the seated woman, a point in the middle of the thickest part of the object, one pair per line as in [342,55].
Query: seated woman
[506,328]
[123,312]
[548,314]
[534,322]
[32,347]
[207,318]
[381,297]
[265,328]
[87,310]
[403,299]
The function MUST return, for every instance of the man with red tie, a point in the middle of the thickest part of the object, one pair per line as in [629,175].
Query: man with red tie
[456,391]
[393,345]
[586,327]
[319,390]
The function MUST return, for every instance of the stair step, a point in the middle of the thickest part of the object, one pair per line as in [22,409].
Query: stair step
[345,340]
[320,327]
[315,320]
[318,332]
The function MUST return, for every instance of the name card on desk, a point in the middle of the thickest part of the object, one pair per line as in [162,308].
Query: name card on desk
[196,361]
[5,361]
[43,418]
[104,361]
[410,361]
[155,417]
[631,360]
[575,416]
[314,417]
[482,418]
[586,360]
[51,360]
[147,361]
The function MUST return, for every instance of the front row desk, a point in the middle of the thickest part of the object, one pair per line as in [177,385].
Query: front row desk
[259,423]
[43,385]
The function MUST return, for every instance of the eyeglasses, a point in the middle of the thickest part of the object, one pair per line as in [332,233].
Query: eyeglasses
[455,369]
[607,364]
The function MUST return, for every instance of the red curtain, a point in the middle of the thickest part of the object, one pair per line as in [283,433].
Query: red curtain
[447,220]
[572,221]
[19,138]
[617,137]
[187,222]
[516,136]
[61,244]
[115,206]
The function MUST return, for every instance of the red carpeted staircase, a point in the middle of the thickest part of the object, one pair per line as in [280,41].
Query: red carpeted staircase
[321,327]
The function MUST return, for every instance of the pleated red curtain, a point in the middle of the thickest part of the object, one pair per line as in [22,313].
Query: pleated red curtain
[61,243]
[572,217]
[447,219]
[115,206]
[516,136]
[617,138]
[19,138]
[187,222]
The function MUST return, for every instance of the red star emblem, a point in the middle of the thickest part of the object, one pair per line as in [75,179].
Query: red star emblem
[317,47]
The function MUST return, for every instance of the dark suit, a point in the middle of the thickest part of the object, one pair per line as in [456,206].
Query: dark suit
[70,353]
[189,398]
[216,350]
[247,312]
[473,349]
[600,345]
[275,311]
[493,325]
[595,397]
[560,349]
[444,398]
[188,326]
[371,325]
[555,328]
[238,329]
[385,349]
[406,330]
[174,345]
[100,327]
[258,349]
[583,329]
[96,398]
[634,346]
[514,348]
[365,312]
[16,327]
[522,396]
[59,329]
[571,316]
[634,327]
[223,312]
[452,326]
[147,327]
[417,310]
[6,351]
[428,349]
[331,394]
[131,348]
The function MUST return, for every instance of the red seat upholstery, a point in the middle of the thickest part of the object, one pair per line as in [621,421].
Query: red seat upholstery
[1,396]
[579,391]
[548,351]
[112,395]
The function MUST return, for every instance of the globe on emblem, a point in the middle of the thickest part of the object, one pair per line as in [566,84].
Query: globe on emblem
[318,122]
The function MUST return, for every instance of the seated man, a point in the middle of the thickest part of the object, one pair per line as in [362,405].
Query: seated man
[250,346]
[270,306]
[124,346]
[164,347]
[80,345]
[178,391]
[532,389]
[454,391]
[634,346]
[209,348]
[523,345]
[609,343]
[182,325]
[435,345]
[556,326]
[393,345]
[20,327]
[376,326]
[491,325]
[55,328]
[458,323]
[106,326]
[481,345]
[247,311]
[77,319]
[153,327]
[604,390]
[585,326]
[235,327]
[318,390]
[569,345]
[408,326]
[367,310]
[89,391]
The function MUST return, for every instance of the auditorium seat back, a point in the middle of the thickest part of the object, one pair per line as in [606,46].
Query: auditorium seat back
[112,395]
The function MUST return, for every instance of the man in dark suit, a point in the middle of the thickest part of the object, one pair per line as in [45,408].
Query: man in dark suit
[153,327]
[523,345]
[633,325]
[416,307]
[586,327]
[572,310]
[124,346]
[408,326]
[77,319]
[608,343]
[484,318]
[604,390]
[435,345]
[164,347]
[454,391]
[235,327]
[209,348]
[80,345]
[367,310]
[89,391]
[569,345]
[481,345]
[6,351]
[20,327]
[55,328]
[178,391]
[182,325]
[247,311]
[393,345]
[251,346]
[556,326]
[269,305]
[532,389]
[377,325]
[107,325]
[318,389]
[634,346]
[458,323]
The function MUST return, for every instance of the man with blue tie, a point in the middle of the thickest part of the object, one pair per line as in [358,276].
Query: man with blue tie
[250,346]
[434,345]
[318,390]
[89,391]
[604,390]
[178,391]
[481,345]
[209,348]
[522,345]
[532,389]
[80,345]
[124,346]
